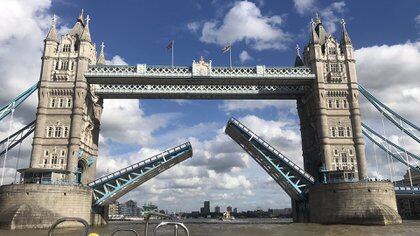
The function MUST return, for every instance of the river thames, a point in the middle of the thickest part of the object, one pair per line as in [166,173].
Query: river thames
[247,227]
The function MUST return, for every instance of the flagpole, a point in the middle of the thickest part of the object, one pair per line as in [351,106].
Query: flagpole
[230,55]
[173,46]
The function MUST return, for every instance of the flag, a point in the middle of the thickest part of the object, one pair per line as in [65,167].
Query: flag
[170,45]
[227,48]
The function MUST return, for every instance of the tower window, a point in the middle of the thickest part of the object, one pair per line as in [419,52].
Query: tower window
[334,68]
[52,103]
[46,153]
[333,131]
[331,50]
[341,131]
[337,103]
[344,103]
[54,159]
[351,152]
[336,154]
[66,131]
[57,132]
[60,102]
[66,48]
[348,132]
[330,103]
[65,65]
[50,132]
[63,153]
[68,102]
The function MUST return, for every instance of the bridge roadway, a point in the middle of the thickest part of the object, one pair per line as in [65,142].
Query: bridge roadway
[199,81]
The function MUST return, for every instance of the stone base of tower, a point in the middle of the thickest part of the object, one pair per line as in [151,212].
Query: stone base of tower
[29,206]
[365,203]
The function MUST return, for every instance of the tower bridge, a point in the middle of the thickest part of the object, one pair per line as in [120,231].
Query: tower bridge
[331,187]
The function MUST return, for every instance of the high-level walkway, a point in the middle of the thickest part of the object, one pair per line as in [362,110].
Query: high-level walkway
[199,81]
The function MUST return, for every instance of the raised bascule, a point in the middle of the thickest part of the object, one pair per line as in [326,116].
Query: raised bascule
[332,187]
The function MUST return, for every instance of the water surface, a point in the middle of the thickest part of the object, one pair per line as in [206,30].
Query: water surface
[250,227]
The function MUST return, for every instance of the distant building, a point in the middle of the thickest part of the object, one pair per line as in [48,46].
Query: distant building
[130,208]
[206,207]
[229,209]
[114,209]
[149,207]
[202,210]
[217,209]
[235,210]
[409,205]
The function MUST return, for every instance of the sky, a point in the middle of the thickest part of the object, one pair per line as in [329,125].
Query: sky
[386,37]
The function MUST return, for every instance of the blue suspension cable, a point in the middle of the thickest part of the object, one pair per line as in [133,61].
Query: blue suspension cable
[366,131]
[388,113]
[7,109]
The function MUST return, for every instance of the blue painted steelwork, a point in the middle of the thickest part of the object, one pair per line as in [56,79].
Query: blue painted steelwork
[375,138]
[403,124]
[17,137]
[406,190]
[90,160]
[292,178]
[7,109]
[111,187]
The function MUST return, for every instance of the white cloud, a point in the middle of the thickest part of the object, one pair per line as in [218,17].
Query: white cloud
[116,60]
[303,6]
[124,122]
[245,22]
[193,26]
[390,73]
[252,105]
[244,56]
[23,26]
[328,13]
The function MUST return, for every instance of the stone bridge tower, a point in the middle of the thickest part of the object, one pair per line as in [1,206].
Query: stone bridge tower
[68,115]
[332,140]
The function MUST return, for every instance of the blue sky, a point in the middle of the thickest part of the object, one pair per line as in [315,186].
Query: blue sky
[385,35]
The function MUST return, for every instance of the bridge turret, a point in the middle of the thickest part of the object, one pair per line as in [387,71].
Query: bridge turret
[330,115]
[67,126]
[346,47]
[298,59]
[52,35]
[101,57]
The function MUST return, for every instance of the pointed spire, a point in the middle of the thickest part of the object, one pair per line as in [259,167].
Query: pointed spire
[81,17]
[52,34]
[101,58]
[317,18]
[345,38]
[86,32]
[298,60]
[79,25]
[314,35]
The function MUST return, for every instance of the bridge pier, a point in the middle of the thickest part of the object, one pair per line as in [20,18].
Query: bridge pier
[364,203]
[37,206]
